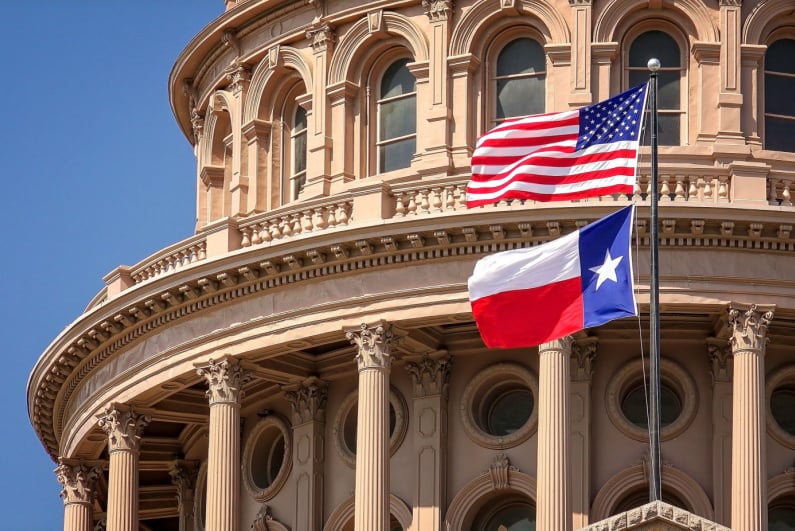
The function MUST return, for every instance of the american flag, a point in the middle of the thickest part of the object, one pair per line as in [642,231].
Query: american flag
[561,156]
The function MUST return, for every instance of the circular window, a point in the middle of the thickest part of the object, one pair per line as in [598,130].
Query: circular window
[267,458]
[498,407]
[626,400]
[513,514]
[345,425]
[780,391]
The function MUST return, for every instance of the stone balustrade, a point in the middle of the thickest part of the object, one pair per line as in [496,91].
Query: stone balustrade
[170,259]
[295,219]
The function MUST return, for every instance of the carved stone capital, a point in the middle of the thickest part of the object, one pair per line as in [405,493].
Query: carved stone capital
[583,355]
[500,472]
[225,379]
[438,10]
[123,427]
[563,344]
[322,37]
[78,481]
[375,345]
[308,400]
[197,122]
[239,77]
[430,375]
[720,359]
[748,326]
[731,3]
[263,518]
[183,475]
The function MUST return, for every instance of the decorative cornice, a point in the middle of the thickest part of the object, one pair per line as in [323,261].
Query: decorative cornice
[720,359]
[374,345]
[225,379]
[322,37]
[78,481]
[749,326]
[438,10]
[123,427]
[307,400]
[430,375]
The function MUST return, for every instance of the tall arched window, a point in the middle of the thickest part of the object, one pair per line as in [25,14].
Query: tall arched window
[397,118]
[514,512]
[779,103]
[298,149]
[669,81]
[519,80]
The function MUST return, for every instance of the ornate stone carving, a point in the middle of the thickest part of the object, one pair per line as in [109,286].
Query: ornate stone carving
[78,481]
[575,3]
[583,354]
[375,345]
[561,344]
[308,400]
[720,356]
[500,472]
[731,3]
[101,525]
[123,427]
[239,77]
[438,9]
[430,375]
[197,121]
[322,37]
[225,379]
[320,9]
[264,521]
[183,475]
[230,40]
[749,327]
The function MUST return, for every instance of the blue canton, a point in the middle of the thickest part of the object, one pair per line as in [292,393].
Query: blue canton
[619,118]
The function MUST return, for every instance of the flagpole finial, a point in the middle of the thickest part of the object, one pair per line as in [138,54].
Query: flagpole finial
[653,64]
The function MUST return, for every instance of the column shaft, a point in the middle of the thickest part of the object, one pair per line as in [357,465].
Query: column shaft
[223,468]
[123,491]
[77,517]
[78,481]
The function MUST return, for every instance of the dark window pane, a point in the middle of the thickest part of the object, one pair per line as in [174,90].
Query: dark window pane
[514,517]
[520,97]
[275,460]
[396,155]
[522,56]
[782,405]
[510,411]
[300,119]
[397,80]
[299,153]
[638,77]
[668,129]
[654,44]
[668,90]
[779,93]
[398,118]
[780,55]
[779,134]
[781,519]
[298,185]
[634,406]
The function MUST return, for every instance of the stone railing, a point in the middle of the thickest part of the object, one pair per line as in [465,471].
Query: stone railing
[779,191]
[170,259]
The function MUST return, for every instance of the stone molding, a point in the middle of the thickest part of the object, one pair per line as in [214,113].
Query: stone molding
[438,10]
[307,400]
[500,472]
[322,37]
[225,379]
[430,375]
[123,427]
[783,375]
[749,324]
[655,516]
[264,521]
[260,493]
[78,481]
[374,345]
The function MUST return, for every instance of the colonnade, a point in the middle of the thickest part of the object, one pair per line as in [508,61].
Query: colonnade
[560,504]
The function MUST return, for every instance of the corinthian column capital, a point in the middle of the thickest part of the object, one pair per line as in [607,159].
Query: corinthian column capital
[183,476]
[748,326]
[375,345]
[123,427]
[563,344]
[78,481]
[720,358]
[438,9]
[430,375]
[225,379]
[583,357]
[308,400]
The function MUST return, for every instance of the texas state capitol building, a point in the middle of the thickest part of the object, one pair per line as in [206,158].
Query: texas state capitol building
[308,359]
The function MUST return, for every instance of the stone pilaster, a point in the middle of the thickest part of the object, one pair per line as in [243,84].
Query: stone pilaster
[730,97]
[374,360]
[124,429]
[720,359]
[225,379]
[748,326]
[430,376]
[308,402]
[581,60]
[183,475]
[553,512]
[78,481]
[239,77]
[582,366]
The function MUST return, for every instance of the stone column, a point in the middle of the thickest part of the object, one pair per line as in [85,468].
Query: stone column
[372,431]
[308,401]
[553,513]
[225,379]
[720,358]
[748,326]
[78,481]
[583,356]
[124,429]
[430,375]
[183,475]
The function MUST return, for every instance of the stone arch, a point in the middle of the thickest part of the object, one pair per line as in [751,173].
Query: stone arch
[473,23]
[266,75]
[635,476]
[468,499]
[356,41]
[344,513]
[781,485]
[221,101]
[762,15]
[615,13]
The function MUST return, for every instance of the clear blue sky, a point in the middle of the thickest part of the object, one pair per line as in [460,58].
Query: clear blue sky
[96,174]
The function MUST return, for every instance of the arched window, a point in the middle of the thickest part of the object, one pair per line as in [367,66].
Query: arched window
[519,80]
[397,118]
[514,513]
[781,514]
[298,148]
[658,44]
[779,103]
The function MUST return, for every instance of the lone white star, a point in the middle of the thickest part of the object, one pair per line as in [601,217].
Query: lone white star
[606,271]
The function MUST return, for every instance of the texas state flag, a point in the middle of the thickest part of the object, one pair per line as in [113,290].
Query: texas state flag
[525,297]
